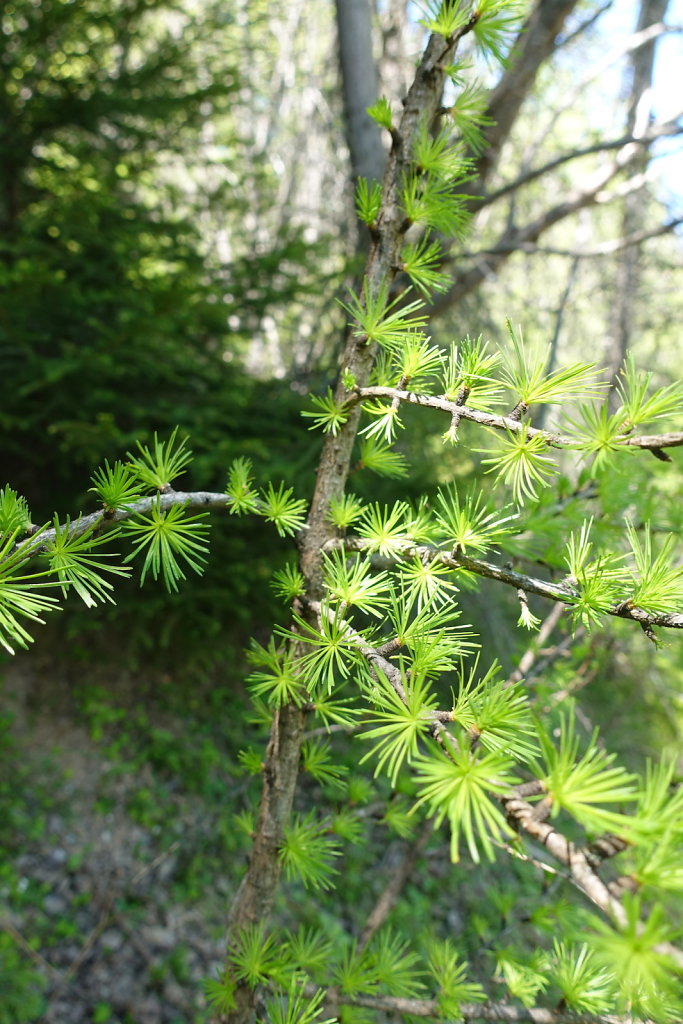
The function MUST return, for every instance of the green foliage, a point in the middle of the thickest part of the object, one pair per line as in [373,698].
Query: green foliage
[327,415]
[425,582]
[317,760]
[21,986]
[648,982]
[468,114]
[253,955]
[578,784]
[467,523]
[21,594]
[637,406]
[458,785]
[355,973]
[166,538]
[380,112]
[307,852]
[420,261]
[70,556]
[368,200]
[445,18]
[375,319]
[527,379]
[598,434]
[403,723]
[117,486]
[494,713]
[658,583]
[438,155]
[296,1007]
[309,949]
[353,583]
[15,517]
[288,583]
[220,993]
[344,510]
[278,681]
[432,203]
[376,652]
[334,650]
[524,981]
[522,464]
[397,966]
[496,22]
[279,507]
[450,974]
[379,457]
[467,374]
[600,579]
[385,528]
[243,497]
[585,985]
[158,467]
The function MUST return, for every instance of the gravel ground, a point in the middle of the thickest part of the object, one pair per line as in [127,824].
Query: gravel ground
[101,921]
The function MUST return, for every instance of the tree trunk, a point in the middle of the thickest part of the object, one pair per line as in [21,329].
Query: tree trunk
[256,894]
[638,118]
[359,86]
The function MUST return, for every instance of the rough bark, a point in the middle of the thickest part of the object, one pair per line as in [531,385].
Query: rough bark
[255,896]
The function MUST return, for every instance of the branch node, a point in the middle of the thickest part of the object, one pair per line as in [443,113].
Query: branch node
[661,455]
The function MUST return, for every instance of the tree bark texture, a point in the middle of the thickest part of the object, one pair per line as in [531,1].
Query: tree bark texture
[255,896]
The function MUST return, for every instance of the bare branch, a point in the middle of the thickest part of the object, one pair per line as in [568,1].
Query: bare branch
[631,44]
[105,517]
[398,880]
[579,863]
[591,193]
[585,25]
[654,442]
[604,249]
[667,129]
[563,850]
[530,656]
[474,1011]
[535,43]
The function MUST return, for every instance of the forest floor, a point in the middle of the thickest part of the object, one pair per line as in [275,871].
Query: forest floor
[106,916]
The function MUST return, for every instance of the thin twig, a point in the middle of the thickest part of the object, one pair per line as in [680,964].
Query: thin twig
[673,439]
[394,887]
[490,1011]
[532,652]
[14,933]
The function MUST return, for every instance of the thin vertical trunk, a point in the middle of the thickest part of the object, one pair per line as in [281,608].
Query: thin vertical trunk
[359,86]
[628,273]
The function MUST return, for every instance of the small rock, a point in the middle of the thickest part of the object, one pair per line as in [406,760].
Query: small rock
[54,905]
[148,1011]
[111,940]
[156,935]
[173,992]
